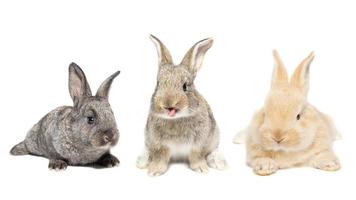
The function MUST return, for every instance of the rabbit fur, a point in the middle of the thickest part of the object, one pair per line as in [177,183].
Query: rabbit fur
[288,131]
[180,124]
[76,135]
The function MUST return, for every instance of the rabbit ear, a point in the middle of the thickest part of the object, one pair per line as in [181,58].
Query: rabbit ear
[104,88]
[280,75]
[193,59]
[78,85]
[164,57]
[300,78]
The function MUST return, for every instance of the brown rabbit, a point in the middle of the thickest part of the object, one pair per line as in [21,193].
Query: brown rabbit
[180,123]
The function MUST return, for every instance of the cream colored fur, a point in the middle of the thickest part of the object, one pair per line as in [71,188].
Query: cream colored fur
[288,131]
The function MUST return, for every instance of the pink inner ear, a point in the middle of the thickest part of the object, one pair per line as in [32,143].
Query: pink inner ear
[172,113]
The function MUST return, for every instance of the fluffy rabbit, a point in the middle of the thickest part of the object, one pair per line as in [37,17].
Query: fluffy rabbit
[288,131]
[180,124]
[78,135]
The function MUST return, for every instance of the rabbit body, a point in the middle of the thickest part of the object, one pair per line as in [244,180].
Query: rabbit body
[180,124]
[288,131]
[75,135]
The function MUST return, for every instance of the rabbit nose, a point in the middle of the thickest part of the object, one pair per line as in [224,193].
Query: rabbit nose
[278,136]
[108,135]
[279,140]
[170,101]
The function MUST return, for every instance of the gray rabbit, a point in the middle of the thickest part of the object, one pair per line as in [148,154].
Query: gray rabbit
[76,135]
[180,124]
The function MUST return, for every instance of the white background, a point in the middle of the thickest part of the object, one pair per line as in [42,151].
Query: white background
[38,40]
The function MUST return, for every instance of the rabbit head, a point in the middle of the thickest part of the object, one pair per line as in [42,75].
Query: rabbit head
[175,95]
[287,115]
[92,121]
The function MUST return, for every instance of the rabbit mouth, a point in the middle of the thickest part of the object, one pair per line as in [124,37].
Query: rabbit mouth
[171,112]
[110,140]
[107,138]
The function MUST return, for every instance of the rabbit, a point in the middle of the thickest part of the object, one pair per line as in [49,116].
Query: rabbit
[81,134]
[180,125]
[288,131]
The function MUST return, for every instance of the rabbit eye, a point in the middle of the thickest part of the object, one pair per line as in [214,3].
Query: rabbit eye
[90,120]
[298,117]
[185,87]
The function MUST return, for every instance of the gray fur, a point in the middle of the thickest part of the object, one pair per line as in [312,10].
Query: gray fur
[65,136]
[195,126]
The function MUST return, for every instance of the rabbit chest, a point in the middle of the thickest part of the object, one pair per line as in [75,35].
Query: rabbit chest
[80,154]
[85,157]
[179,150]
[179,139]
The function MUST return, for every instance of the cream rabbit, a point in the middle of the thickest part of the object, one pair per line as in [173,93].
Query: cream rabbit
[288,131]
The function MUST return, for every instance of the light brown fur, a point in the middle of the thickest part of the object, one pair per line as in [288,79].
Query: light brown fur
[192,128]
[288,131]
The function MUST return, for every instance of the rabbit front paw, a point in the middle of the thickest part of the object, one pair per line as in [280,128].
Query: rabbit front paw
[328,165]
[200,166]
[327,161]
[108,161]
[143,160]
[58,165]
[264,166]
[157,168]
[216,160]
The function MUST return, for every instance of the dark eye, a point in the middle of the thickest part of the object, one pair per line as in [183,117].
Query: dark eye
[185,87]
[90,120]
[298,116]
